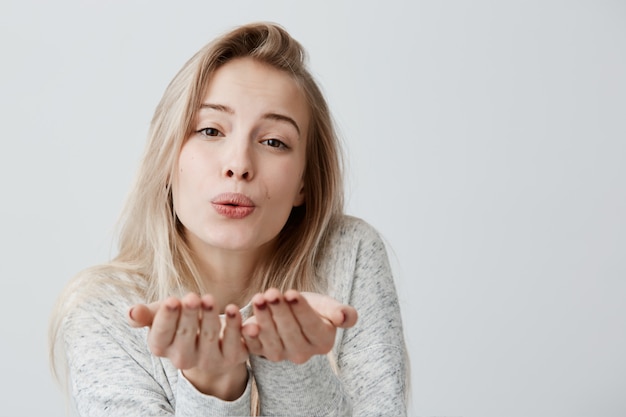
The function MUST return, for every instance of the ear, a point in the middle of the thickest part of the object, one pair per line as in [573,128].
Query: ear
[299,199]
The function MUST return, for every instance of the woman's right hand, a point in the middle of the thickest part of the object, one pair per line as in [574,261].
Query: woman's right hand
[190,334]
[295,325]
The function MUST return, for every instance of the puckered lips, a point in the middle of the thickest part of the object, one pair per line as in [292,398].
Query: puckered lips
[233,205]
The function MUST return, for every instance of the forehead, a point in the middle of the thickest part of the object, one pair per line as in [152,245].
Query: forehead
[252,87]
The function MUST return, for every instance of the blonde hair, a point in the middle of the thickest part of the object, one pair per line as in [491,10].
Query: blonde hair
[151,241]
[152,248]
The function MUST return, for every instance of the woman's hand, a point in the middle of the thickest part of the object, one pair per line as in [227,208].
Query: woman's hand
[294,326]
[190,334]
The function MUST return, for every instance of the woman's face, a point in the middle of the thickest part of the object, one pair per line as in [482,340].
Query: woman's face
[241,171]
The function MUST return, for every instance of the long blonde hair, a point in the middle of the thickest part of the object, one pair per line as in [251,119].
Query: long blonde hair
[151,242]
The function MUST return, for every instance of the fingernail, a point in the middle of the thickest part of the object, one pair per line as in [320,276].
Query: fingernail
[274,302]
[207,308]
[261,306]
[230,314]
[292,302]
[343,319]
[130,313]
[172,308]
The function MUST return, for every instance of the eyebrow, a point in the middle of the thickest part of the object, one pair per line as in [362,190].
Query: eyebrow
[271,116]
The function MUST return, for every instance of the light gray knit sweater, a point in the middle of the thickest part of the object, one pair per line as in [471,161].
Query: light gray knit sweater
[114,374]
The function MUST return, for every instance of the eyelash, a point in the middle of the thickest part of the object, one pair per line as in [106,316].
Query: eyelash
[272,142]
[280,145]
[204,131]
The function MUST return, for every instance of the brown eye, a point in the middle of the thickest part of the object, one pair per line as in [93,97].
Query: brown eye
[275,143]
[209,131]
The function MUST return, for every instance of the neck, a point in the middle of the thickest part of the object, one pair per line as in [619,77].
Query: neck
[229,276]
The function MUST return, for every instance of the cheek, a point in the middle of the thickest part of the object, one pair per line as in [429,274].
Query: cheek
[176,189]
[186,159]
[191,167]
[183,175]
[286,183]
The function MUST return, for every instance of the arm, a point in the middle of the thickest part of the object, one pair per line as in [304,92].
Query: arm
[113,373]
[310,389]
[190,334]
[297,328]
[371,357]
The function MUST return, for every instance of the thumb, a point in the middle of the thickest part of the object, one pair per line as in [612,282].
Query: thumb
[141,315]
[340,315]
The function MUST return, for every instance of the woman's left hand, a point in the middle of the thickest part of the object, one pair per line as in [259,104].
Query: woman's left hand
[294,326]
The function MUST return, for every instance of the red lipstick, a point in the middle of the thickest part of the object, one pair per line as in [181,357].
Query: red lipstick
[233,205]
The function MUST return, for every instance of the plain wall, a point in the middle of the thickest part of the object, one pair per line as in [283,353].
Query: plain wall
[486,141]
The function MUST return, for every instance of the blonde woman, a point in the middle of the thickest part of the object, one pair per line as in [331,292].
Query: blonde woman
[238,279]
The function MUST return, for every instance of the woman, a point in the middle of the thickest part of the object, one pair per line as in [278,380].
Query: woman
[238,279]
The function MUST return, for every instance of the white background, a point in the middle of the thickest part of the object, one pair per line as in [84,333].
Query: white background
[486,141]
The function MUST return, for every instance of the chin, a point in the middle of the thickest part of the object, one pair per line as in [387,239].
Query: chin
[236,243]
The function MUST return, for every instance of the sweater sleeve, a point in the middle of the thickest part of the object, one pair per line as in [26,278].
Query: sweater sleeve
[371,356]
[309,389]
[112,372]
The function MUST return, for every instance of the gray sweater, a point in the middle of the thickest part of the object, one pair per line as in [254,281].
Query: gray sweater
[113,373]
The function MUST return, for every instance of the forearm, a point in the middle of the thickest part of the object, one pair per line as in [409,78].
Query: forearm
[310,389]
[371,356]
[376,378]
[113,373]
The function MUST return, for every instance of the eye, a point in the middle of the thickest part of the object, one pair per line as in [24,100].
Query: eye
[209,131]
[275,143]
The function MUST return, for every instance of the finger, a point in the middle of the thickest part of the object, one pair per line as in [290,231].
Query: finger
[209,338]
[250,332]
[141,315]
[319,331]
[340,315]
[288,327]
[184,346]
[268,336]
[210,324]
[233,348]
[163,328]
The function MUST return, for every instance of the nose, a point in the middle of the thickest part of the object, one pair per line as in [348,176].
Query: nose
[238,164]
[244,175]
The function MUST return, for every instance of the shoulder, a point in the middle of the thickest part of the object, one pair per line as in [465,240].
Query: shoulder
[352,245]
[93,342]
[91,316]
[98,297]
[348,230]
[351,238]
[105,285]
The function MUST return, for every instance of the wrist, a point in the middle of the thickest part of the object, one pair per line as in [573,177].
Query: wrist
[227,386]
